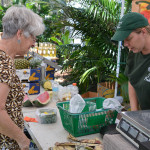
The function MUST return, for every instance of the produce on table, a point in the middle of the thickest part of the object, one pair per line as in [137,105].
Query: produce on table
[46,115]
[50,94]
[47,85]
[42,100]
[27,102]
[21,64]
[35,63]
[66,96]
[83,144]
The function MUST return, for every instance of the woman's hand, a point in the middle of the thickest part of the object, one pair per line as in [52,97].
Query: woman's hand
[24,143]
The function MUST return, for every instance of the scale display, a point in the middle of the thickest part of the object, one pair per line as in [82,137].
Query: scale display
[135,126]
[133,132]
[142,138]
[124,125]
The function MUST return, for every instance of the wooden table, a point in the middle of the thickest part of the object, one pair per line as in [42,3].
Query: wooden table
[46,135]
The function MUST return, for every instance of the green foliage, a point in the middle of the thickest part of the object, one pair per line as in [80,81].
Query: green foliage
[63,43]
[122,80]
[55,39]
[65,39]
[2,12]
[96,22]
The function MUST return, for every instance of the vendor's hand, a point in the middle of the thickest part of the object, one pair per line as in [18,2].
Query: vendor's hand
[24,144]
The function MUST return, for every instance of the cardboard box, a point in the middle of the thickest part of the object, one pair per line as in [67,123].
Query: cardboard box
[29,74]
[31,88]
[89,94]
[49,72]
[106,89]
[50,68]
[49,75]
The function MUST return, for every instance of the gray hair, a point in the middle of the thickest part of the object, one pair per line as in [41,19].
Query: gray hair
[19,17]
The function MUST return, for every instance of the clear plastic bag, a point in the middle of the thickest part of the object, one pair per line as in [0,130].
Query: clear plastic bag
[91,106]
[77,104]
[64,93]
[113,104]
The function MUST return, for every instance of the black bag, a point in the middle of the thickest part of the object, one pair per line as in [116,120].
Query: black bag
[109,129]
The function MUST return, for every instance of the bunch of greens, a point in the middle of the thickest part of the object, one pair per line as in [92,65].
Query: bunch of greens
[35,63]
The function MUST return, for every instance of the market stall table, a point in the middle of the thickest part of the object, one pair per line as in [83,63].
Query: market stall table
[46,135]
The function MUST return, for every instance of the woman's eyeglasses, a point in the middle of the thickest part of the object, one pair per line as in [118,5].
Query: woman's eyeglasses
[33,37]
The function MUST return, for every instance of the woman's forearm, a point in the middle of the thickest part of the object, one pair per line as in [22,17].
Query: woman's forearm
[133,98]
[9,128]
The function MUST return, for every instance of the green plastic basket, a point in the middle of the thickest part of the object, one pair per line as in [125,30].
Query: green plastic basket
[79,124]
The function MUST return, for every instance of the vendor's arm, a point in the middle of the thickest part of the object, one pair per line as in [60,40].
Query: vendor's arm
[133,98]
[7,126]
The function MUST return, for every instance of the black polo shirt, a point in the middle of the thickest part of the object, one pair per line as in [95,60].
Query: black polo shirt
[138,72]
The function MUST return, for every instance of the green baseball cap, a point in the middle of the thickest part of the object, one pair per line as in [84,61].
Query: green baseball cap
[128,23]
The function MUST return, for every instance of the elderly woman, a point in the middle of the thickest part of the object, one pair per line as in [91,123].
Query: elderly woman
[20,28]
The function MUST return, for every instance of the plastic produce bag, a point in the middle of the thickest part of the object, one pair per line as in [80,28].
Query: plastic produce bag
[64,93]
[91,106]
[113,104]
[77,104]
[119,98]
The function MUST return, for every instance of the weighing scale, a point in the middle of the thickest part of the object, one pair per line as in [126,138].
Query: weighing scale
[135,126]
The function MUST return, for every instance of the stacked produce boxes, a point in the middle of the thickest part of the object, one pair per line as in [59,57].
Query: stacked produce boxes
[31,71]
[49,73]
[30,78]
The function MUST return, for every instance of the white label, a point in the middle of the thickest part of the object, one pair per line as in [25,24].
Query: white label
[23,74]
[25,87]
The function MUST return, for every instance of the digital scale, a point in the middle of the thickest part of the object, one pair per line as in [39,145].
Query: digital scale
[135,126]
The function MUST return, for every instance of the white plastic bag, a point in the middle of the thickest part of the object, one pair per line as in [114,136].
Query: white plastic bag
[113,104]
[64,94]
[119,98]
[77,104]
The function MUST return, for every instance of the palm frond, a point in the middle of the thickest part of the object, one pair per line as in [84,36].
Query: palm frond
[86,74]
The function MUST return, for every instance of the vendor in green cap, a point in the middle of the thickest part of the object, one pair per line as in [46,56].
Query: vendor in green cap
[134,30]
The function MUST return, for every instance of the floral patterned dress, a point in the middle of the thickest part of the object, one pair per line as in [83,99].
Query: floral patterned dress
[14,100]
